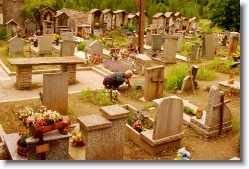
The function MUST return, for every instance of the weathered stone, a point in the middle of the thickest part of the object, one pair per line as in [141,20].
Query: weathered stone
[16,46]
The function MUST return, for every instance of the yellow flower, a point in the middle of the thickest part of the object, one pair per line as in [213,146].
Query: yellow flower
[55,37]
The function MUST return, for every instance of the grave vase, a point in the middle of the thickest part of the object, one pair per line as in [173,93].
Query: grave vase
[21,150]
[35,43]
[57,42]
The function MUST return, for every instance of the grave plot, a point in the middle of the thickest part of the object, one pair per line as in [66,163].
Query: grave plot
[166,129]
[215,120]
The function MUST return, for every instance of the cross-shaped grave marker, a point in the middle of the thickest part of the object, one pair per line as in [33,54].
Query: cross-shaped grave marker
[221,105]
[158,80]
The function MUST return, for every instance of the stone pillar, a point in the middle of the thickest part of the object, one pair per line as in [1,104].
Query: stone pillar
[24,77]
[104,135]
[57,151]
[71,69]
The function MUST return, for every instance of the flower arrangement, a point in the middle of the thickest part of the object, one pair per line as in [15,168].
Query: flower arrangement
[114,55]
[138,121]
[55,37]
[116,66]
[183,154]
[35,38]
[96,59]
[23,137]
[43,117]
[77,138]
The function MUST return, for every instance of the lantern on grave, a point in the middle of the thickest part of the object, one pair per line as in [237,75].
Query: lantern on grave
[199,112]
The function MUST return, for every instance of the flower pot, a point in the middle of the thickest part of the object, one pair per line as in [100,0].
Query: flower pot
[80,143]
[57,42]
[21,150]
[35,43]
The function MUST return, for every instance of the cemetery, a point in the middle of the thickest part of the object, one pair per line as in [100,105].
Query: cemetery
[179,98]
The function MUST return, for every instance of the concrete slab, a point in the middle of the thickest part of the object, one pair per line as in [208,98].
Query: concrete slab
[226,85]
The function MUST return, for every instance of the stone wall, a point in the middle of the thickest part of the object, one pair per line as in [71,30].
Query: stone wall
[12,10]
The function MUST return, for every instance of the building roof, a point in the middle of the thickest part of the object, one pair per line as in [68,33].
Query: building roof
[79,17]
[106,11]
[94,10]
[178,14]
[157,15]
[168,14]
[60,13]
[120,11]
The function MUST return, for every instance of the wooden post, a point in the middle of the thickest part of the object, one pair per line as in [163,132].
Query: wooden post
[221,105]
[141,27]
[191,77]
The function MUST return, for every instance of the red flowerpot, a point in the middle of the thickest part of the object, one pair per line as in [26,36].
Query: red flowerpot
[21,150]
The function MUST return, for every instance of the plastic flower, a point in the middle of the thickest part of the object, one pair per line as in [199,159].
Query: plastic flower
[183,154]
[55,37]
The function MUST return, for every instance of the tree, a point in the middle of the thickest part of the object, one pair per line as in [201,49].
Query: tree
[225,14]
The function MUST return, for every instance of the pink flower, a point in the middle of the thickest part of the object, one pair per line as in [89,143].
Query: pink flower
[51,116]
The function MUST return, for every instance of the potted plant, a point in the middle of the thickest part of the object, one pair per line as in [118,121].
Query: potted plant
[114,56]
[21,143]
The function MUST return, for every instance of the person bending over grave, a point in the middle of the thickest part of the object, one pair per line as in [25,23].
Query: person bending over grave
[114,80]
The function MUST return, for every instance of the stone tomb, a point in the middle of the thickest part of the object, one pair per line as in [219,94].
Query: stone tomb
[67,48]
[154,78]
[169,49]
[141,62]
[55,92]
[16,46]
[223,85]
[167,127]
[57,152]
[44,45]
[209,124]
[104,134]
[96,49]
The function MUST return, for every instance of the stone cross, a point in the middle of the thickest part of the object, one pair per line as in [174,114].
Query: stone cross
[221,106]
[158,80]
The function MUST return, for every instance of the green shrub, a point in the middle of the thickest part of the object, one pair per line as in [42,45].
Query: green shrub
[186,49]
[204,74]
[81,46]
[223,66]
[175,76]
[98,97]
[132,27]
[3,34]
[189,110]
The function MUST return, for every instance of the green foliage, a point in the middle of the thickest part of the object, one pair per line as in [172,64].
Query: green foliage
[3,33]
[186,48]
[81,46]
[134,94]
[223,66]
[204,74]
[98,97]
[132,27]
[175,76]
[189,110]
[225,14]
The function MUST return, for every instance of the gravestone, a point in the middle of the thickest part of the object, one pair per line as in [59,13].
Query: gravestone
[169,49]
[67,36]
[16,46]
[227,33]
[141,62]
[45,44]
[96,49]
[233,42]
[99,129]
[88,47]
[187,83]
[154,79]
[67,48]
[195,53]
[134,42]
[156,42]
[55,92]
[216,42]
[31,27]
[203,47]
[167,127]
[224,40]
[179,42]
[149,39]
[209,46]
[97,32]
